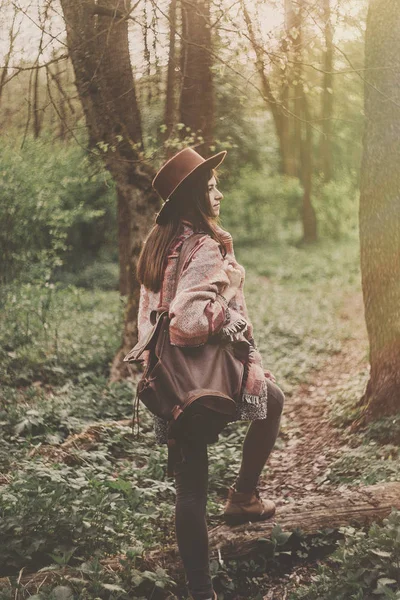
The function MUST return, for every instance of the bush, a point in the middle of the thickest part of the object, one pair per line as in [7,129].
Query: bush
[260,206]
[268,207]
[99,275]
[56,203]
[336,207]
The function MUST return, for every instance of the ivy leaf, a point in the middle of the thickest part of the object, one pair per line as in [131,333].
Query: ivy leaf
[386,581]
[113,588]
[382,553]
[63,592]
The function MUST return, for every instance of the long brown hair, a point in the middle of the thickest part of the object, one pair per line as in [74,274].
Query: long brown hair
[190,202]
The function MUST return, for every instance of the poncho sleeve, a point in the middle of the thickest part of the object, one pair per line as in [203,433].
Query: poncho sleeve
[198,311]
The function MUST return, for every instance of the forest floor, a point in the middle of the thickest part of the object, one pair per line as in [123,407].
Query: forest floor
[312,442]
[67,434]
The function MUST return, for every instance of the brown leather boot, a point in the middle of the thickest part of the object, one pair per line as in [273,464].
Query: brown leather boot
[242,507]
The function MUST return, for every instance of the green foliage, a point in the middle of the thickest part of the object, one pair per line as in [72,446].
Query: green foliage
[250,577]
[107,492]
[98,505]
[226,452]
[38,341]
[36,415]
[385,430]
[293,302]
[366,565]
[346,408]
[96,496]
[366,464]
[242,121]
[102,275]
[91,579]
[47,509]
[260,206]
[336,207]
[57,204]
[374,452]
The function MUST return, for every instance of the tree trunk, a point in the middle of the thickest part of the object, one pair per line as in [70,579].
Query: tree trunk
[288,166]
[61,102]
[296,43]
[170,101]
[37,117]
[327,96]
[196,106]
[306,161]
[98,46]
[303,134]
[124,242]
[379,208]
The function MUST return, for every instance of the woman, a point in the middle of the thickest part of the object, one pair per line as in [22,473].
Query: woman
[209,300]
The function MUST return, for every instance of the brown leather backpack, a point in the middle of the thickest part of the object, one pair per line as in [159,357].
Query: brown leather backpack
[195,389]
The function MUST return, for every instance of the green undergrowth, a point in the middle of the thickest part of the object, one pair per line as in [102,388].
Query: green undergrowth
[365,566]
[371,455]
[366,464]
[294,297]
[346,408]
[78,486]
[54,334]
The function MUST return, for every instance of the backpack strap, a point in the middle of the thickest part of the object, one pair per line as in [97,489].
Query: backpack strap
[155,316]
[185,254]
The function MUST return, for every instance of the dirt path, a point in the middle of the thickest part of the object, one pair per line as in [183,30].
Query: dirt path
[311,442]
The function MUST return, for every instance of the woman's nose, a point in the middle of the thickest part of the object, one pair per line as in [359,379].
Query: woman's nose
[219,195]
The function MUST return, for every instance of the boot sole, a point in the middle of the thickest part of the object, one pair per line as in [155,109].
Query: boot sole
[239,519]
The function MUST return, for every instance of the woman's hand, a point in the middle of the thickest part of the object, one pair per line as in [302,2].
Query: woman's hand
[269,375]
[234,275]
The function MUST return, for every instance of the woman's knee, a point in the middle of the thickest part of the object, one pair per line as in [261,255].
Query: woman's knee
[276,399]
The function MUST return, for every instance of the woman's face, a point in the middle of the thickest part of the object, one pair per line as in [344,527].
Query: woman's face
[215,196]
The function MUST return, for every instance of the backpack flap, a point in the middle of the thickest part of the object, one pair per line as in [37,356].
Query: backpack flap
[135,354]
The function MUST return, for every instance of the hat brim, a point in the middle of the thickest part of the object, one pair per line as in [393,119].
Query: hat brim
[211,163]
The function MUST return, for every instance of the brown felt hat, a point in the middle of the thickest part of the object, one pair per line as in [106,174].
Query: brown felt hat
[176,170]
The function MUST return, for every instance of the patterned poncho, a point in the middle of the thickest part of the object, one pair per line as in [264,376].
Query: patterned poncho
[199,310]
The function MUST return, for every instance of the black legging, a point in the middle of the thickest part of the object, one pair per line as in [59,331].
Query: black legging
[191,481]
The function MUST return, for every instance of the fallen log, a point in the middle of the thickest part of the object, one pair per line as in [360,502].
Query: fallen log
[352,506]
[346,506]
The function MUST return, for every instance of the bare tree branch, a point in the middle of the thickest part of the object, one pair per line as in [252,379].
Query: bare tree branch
[38,25]
[54,77]
[12,35]
[114,13]
[218,58]
[358,72]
